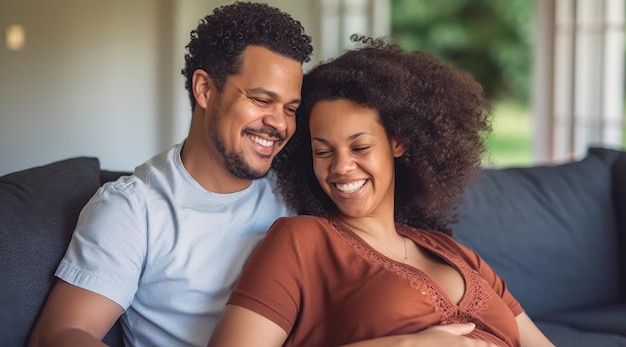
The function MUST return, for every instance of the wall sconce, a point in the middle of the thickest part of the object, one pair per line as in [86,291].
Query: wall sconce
[14,38]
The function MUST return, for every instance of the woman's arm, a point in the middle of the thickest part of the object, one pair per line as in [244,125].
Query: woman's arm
[530,335]
[240,327]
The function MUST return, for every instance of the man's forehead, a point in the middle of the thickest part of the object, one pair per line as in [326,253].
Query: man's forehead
[266,72]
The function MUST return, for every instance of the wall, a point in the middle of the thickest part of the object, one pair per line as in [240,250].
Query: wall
[98,78]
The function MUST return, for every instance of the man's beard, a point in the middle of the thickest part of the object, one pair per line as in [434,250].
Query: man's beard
[234,162]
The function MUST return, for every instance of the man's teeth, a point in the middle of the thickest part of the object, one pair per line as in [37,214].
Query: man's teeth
[262,142]
[350,187]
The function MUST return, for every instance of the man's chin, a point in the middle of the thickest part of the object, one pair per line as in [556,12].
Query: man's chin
[251,169]
[250,173]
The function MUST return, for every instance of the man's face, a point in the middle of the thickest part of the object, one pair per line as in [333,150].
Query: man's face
[254,116]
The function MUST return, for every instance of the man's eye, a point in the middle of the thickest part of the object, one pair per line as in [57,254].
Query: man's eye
[292,110]
[260,101]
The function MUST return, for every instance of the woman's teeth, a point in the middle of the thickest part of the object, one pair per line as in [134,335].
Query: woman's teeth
[350,187]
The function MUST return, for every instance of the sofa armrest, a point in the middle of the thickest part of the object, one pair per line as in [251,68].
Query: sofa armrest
[39,208]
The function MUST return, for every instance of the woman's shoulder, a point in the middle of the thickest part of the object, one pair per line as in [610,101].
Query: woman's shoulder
[300,227]
[436,238]
[300,221]
[447,243]
[427,234]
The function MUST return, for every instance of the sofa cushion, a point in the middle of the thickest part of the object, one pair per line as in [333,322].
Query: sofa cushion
[610,319]
[38,212]
[562,335]
[549,231]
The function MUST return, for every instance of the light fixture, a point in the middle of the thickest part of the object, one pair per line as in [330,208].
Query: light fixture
[14,38]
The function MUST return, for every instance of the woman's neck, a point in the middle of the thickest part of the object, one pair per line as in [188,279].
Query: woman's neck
[380,234]
[382,227]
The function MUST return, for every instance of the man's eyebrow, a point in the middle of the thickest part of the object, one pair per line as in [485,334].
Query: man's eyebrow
[271,94]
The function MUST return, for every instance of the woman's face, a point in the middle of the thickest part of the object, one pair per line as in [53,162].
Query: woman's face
[353,158]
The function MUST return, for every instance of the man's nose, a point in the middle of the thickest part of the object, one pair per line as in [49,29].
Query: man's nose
[276,119]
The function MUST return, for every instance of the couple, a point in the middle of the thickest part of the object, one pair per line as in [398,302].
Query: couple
[166,245]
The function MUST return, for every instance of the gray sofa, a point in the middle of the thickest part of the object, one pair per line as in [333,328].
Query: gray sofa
[38,212]
[556,234]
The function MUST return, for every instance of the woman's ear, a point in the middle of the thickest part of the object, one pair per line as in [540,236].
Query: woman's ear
[202,86]
[398,149]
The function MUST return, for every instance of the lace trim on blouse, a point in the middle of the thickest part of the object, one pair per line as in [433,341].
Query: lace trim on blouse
[476,298]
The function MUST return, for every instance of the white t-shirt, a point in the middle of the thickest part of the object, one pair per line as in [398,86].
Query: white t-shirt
[166,250]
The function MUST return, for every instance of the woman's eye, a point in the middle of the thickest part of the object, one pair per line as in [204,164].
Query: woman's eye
[361,149]
[321,153]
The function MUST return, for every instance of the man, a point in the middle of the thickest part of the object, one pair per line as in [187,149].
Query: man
[165,245]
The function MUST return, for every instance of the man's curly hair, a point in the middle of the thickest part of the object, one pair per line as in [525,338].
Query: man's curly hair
[219,40]
[437,112]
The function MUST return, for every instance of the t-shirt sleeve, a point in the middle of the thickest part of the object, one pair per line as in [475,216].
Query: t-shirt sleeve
[499,285]
[271,281]
[107,249]
[495,281]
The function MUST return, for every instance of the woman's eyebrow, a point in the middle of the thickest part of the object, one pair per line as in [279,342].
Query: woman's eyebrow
[351,137]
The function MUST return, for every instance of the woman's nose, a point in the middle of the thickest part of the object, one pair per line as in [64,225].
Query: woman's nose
[342,163]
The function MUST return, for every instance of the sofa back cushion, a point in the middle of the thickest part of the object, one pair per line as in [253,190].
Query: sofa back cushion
[619,196]
[550,232]
[38,212]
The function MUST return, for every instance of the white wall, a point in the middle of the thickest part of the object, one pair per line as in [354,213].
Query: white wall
[99,78]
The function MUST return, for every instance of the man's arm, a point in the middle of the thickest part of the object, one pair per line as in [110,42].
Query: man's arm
[73,316]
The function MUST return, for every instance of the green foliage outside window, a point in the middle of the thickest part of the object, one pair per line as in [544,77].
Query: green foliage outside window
[490,39]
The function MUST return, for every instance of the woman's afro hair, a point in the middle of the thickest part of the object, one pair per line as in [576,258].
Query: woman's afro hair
[438,113]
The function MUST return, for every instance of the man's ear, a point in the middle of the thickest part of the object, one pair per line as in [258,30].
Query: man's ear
[397,148]
[202,86]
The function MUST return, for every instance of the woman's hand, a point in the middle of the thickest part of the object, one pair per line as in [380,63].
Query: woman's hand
[450,335]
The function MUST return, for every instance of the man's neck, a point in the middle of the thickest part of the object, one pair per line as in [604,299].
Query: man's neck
[208,169]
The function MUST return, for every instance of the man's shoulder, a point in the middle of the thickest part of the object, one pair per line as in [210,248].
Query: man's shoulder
[160,164]
[152,177]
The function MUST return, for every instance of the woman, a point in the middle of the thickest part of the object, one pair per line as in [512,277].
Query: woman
[386,143]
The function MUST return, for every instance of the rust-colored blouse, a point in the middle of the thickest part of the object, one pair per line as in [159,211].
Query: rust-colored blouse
[325,286]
